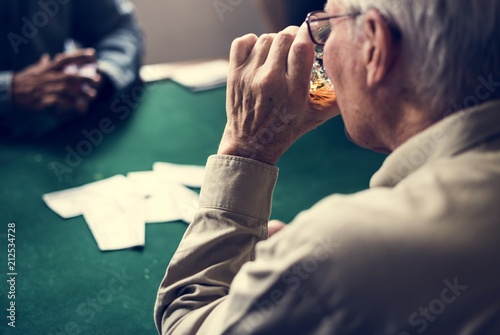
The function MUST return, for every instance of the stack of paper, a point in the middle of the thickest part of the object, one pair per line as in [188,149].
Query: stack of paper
[202,76]
[116,209]
[195,75]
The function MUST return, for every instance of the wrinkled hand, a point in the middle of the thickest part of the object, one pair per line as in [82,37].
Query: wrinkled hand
[268,104]
[46,84]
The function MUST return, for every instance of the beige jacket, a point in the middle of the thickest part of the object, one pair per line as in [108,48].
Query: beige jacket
[419,252]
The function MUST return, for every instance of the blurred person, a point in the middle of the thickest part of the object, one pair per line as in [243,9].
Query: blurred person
[45,81]
[418,251]
[278,14]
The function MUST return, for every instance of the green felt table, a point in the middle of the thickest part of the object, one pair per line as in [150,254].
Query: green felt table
[64,283]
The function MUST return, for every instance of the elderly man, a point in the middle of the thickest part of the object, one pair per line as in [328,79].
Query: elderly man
[44,80]
[417,252]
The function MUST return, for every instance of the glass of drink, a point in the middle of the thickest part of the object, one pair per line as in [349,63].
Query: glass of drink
[321,91]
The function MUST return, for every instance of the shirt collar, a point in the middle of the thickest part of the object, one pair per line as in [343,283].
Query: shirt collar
[454,134]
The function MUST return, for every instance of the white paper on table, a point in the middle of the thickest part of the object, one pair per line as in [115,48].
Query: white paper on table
[116,185]
[188,203]
[116,223]
[117,208]
[169,202]
[66,203]
[188,175]
[145,183]
[202,76]
[162,208]
[69,203]
[165,201]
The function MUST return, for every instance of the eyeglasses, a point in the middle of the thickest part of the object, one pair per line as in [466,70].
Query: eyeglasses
[319,25]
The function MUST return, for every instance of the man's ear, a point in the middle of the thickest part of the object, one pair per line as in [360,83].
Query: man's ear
[380,47]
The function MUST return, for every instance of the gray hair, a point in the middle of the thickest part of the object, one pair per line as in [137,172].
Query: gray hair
[451,47]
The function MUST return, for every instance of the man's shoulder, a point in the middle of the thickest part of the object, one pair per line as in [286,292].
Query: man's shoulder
[397,257]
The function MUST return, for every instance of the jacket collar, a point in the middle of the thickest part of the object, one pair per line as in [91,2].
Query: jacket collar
[451,136]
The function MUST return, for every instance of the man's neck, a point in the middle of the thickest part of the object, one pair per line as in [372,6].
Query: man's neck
[409,122]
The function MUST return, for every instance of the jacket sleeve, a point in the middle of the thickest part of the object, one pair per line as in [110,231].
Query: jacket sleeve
[110,26]
[235,204]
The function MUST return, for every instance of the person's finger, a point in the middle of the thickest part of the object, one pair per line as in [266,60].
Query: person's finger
[70,85]
[74,83]
[42,65]
[45,59]
[80,81]
[301,56]
[98,80]
[74,53]
[278,53]
[78,58]
[261,49]
[90,93]
[76,91]
[71,89]
[59,101]
[274,226]
[241,49]
[91,90]
[71,104]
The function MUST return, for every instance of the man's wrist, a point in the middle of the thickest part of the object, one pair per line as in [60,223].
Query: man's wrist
[261,152]
[247,152]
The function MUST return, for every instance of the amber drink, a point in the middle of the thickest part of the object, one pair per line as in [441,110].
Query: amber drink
[321,90]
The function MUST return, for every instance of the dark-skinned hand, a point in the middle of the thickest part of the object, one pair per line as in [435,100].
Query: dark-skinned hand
[46,85]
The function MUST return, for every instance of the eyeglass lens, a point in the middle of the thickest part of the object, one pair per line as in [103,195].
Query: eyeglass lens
[320,28]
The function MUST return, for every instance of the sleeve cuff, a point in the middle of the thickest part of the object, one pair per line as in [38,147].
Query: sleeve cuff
[119,78]
[240,185]
[6,105]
